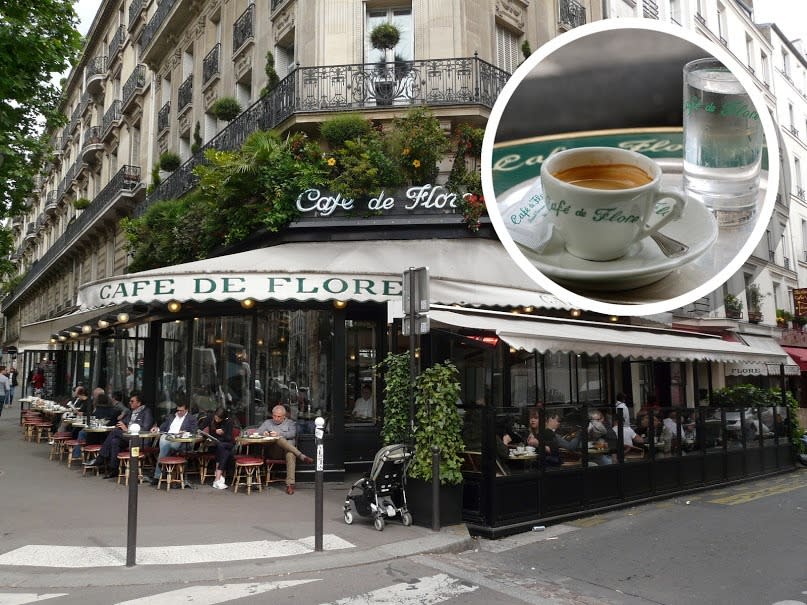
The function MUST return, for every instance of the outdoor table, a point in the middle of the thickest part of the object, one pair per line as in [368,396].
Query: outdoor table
[98,429]
[248,441]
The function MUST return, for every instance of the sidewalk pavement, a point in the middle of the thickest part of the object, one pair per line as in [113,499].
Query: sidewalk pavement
[44,503]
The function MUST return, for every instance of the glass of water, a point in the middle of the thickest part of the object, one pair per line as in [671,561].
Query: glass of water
[722,143]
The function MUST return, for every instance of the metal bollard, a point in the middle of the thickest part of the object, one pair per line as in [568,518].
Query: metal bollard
[131,526]
[319,431]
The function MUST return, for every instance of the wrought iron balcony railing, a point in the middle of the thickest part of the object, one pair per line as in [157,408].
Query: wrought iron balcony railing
[51,202]
[210,64]
[74,118]
[800,193]
[92,136]
[650,9]
[337,88]
[277,4]
[243,29]
[126,180]
[96,67]
[185,94]
[86,99]
[571,13]
[135,8]
[787,263]
[163,117]
[772,256]
[116,42]
[111,116]
[156,21]
[136,81]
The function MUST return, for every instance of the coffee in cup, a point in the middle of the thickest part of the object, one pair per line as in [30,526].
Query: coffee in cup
[602,200]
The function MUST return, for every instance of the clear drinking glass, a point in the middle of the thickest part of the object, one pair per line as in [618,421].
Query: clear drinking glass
[722,142]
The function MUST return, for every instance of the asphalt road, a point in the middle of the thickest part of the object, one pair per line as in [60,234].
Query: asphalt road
[745,544]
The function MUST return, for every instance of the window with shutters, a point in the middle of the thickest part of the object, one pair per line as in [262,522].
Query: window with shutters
[507,51]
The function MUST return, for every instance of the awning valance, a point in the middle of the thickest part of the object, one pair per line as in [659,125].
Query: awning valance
[799,356]
[465,271]
[548,334]
[770,367]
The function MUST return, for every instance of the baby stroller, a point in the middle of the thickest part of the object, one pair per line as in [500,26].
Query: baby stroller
[382,493]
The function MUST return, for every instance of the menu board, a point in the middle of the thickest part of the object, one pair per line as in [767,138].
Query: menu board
[800,301]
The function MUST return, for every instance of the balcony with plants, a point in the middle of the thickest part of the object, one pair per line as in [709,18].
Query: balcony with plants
[120,194]
[470,84]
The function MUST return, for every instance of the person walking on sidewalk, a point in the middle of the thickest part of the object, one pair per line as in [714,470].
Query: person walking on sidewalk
[12,377]
[5,386]
[286,431]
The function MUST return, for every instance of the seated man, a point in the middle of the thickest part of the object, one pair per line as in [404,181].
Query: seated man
[179,422]
[114,442]
[284,428]
[363,408]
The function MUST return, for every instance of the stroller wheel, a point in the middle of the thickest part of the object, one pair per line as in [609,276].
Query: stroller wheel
[348,517]
[406,519]
[379,523]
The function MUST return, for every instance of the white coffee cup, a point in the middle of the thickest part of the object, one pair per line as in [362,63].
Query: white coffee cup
[601,200]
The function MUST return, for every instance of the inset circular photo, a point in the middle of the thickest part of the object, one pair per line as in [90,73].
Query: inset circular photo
[630,166]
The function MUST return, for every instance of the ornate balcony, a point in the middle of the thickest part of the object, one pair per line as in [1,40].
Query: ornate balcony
[112,118]
[164,117]
[136,13]
[116,43]
[119,194]
[571,14]
[95,76]
[243,28]
[51,203]
[337,88]
[159,24]
[185,94]
[70,175]
[30,232]
[92,144]
[86,102]
[61,190]
[74,119]
[210,64]
[41,221]
[134,84]
[16,222]
[277,4]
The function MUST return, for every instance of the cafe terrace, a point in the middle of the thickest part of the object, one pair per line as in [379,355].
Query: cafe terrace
[302,318]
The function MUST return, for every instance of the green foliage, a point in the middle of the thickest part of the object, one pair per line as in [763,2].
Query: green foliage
[9,284]
[418,143]
[81,203]
[438,423]
[168,233]
[169,161]
[36,40]
[226,108]
[395,427]
[272,79]
[755,297]
[197,138]
[359,168]
[345,127]
[525,49]
[7,268]
[732,303]
[464,182]
[384,36]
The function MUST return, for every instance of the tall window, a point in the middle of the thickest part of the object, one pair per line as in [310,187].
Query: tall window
[766,75]
[786,63]
[749,51]
[675,11]
[507,51]
[797,175]
[400,17]
[722,27]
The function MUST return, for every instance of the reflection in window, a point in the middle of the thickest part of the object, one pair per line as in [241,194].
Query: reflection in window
[172,382]
[557,371]
[360,387]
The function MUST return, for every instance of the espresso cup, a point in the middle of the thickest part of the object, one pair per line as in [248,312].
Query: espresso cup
[602,200]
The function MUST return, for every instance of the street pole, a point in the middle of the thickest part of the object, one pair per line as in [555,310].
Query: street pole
[435,488]
[131,527]
[319,425]
[413,323]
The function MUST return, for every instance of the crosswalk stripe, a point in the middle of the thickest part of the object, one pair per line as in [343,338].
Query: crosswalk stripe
[22,598]
[212,594]
[39,555]
[426,591]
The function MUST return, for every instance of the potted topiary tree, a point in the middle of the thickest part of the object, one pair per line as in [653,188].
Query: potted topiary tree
[81,203]
[733,307]
[226,108]
[384,37]
[755,297]
[169,161]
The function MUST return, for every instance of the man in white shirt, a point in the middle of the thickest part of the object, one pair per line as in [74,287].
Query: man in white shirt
[622,408]
[180,422]
[363,408]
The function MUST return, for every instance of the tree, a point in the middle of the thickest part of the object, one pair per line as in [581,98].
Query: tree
[37,39]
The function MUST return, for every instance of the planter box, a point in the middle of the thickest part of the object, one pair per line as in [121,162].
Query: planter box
[419,499]
[754,317]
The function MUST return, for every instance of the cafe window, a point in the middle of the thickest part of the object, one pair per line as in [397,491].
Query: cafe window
[590,380]
[171,369]
[125,360]
[557,373]
[361,391]
[293,366]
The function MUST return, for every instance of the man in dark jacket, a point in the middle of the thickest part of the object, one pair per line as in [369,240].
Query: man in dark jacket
[114,442]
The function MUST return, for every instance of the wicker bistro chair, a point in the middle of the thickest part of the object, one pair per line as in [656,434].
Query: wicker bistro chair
[172,472]
[248,469]
[90,453]
[271,464]
[68,448]
[57,445]
[123,467]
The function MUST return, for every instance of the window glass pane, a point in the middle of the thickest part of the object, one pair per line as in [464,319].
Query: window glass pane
[360,387]
[590,383]
[557,372]
[173,380]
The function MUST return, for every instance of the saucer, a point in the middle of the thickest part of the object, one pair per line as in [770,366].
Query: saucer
[643,264]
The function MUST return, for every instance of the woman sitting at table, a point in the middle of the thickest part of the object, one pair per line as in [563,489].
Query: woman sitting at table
[103,411]
[221,427]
